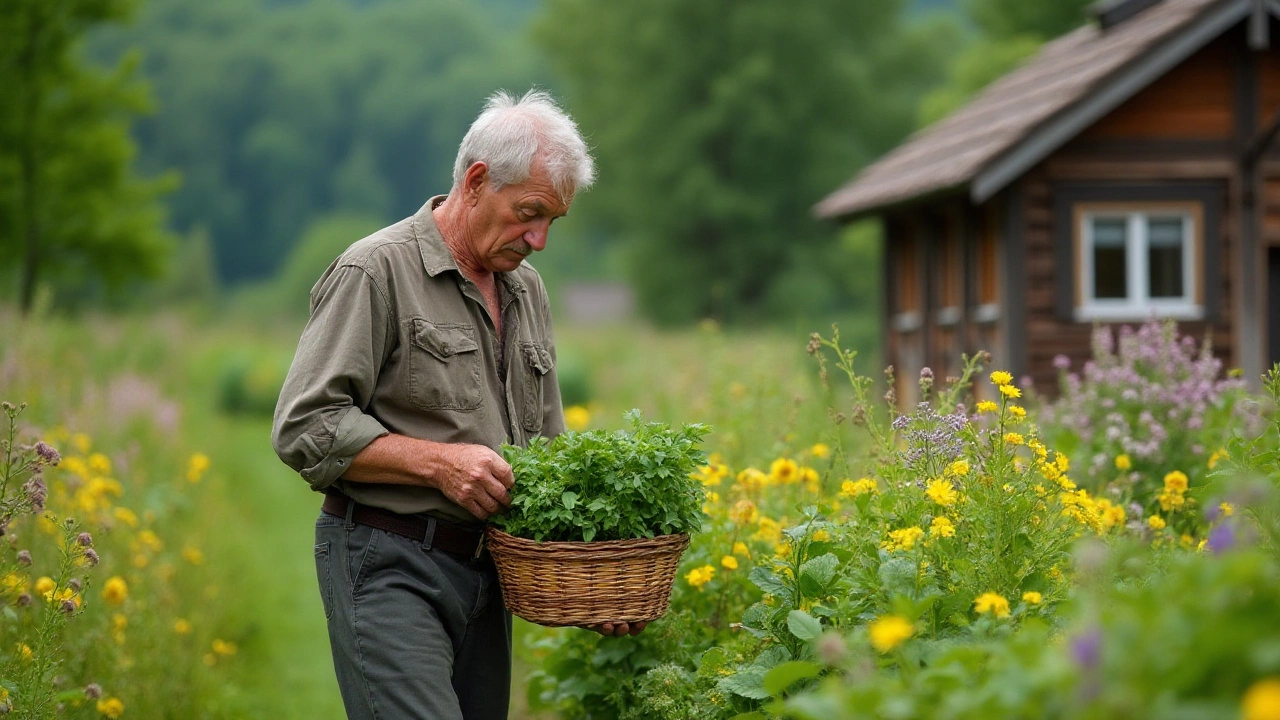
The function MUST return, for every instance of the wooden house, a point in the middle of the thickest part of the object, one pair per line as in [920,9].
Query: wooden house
[1130,169]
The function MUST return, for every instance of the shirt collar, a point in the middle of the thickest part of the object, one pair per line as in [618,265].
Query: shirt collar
[436,257]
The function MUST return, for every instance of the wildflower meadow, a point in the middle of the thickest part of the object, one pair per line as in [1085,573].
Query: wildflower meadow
[1111,550]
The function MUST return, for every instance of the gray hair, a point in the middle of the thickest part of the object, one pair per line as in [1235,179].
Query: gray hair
[510,134]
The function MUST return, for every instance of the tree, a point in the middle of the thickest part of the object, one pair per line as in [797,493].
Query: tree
[1009,31]
[717,125]
[71,209]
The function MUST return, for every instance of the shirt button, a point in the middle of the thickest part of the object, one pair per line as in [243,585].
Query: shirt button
[342,462]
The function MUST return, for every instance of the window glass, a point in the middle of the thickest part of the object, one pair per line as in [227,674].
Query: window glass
[1110,262]
[1164,256]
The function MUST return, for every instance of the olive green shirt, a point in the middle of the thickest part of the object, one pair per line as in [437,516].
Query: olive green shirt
[399,341]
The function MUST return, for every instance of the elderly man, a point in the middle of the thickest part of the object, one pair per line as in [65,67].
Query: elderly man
[429,346]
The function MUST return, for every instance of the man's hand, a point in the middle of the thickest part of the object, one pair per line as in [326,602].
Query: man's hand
[475,477]
[618,629]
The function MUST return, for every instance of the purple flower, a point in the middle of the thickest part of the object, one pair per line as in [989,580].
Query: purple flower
[1062,362]
[47,453]
[36,492]
[1222,538]
[85,539]
[1086,649]
[91,556]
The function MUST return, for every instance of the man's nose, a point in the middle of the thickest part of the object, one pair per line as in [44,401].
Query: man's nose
[536,238]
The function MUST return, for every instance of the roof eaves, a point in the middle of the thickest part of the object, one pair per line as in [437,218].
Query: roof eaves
[1064,126]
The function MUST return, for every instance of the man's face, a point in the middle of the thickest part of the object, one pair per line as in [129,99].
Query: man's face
[509,224]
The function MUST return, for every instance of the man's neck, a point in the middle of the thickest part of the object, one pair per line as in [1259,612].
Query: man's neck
[451,219]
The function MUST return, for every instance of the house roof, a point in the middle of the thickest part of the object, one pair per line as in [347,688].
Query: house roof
[1022,117]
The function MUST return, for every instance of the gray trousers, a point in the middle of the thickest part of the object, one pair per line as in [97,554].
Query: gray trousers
[416,634]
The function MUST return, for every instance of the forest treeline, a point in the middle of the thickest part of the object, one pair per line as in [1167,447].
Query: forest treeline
[207,143]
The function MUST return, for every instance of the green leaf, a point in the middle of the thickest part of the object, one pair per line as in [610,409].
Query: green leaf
[768,581]
[749,684]
[569,498]
[817,574]
[785,675]
[803,625]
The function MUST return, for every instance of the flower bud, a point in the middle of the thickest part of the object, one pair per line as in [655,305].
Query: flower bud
[24,557]
[85,539]
[93,691]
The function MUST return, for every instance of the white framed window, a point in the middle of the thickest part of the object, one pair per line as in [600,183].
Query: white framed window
[1139,261]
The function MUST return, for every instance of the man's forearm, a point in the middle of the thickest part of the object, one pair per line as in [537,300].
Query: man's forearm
[398,460]
[473,476]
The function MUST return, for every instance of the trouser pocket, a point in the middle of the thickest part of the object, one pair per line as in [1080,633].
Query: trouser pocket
[325,576]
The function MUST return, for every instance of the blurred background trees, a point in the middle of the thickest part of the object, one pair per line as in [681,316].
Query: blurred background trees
[717,125]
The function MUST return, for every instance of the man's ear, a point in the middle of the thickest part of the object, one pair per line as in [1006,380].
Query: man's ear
[474,181]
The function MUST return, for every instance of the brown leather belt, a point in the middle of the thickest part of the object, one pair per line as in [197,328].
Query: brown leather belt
[432,532]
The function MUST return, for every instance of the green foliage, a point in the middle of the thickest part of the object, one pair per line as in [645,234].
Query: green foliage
[72,213]
[1010,19]
[249,382]
[598,485]
[717,128]
[279,112]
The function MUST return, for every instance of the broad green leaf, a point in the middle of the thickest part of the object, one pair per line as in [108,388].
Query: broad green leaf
[803,625]
[817,574]
[749,684]
[768,581]
[777,680]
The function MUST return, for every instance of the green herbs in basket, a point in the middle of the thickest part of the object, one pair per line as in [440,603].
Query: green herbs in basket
[598,485]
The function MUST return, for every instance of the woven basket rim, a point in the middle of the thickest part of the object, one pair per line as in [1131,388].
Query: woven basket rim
[505,543]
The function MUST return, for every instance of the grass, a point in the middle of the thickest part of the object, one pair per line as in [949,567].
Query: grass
[118,377]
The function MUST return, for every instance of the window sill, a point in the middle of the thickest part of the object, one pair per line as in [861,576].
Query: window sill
[1130,312]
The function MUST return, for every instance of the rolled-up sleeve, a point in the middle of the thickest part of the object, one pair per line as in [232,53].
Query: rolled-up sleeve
[320,423]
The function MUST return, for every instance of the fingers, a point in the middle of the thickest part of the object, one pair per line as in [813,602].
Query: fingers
[619,629]
[502,472]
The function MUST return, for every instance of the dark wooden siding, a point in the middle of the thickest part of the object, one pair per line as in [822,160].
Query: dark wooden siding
[1193,101]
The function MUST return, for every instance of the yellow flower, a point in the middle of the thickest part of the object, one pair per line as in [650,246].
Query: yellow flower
[941,492]
[1017,411]
[150,540]
[45,587]
[81,443]
[112,707]
[1010,391]
[181,626]
[821,536]
[1176,481]
[991,603]
[987,406]
[1031,597]
[577,417]
[889,632]
[223,647]
[698,577]
[1262,700]
[820,450]
[25,651]
[852,489]
[959,467]
[784,471]
[1219,454]
[1000,377]
[196,467]
[903,539]
[744,512]
[770,530]
[115,591]
[193,555]
[1156,522]
[1123,462]
[1014,438]
[740,548]
[729,562]
[752,479]
[100,464]
[1227,509]
[942,527]
[1171,501]
[126,516]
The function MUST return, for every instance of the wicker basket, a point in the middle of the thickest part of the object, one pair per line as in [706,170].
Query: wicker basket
[586,583]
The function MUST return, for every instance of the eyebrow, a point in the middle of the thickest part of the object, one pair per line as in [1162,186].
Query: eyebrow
[543,209]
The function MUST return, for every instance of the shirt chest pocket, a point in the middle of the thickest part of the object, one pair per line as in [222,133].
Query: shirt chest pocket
[444,366]
[537,368]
